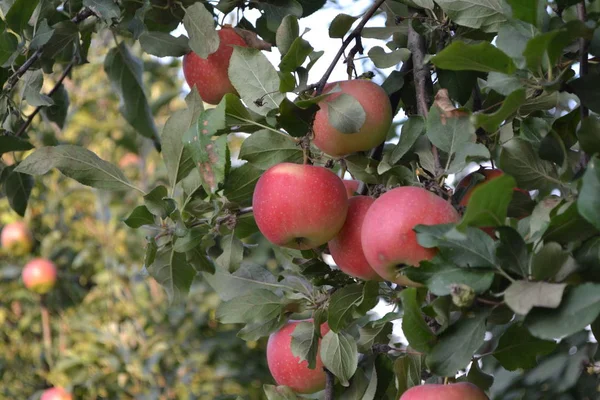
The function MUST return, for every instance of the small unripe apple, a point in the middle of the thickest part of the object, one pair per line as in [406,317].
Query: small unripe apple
[39,275]
[346,247]
[453,391]
[351,186]
[299,206]
[287,369]
[377,123]
[16,238]
[56,393]
[210,75]
[388,239]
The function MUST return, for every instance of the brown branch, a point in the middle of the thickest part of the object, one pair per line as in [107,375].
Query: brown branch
[35,112]
[12,80]
[353,35]
[329,382]
[422,79]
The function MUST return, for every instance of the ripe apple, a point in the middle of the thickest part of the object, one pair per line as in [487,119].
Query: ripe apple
[346,248]
[378,120]
[287,369]
[210,75]
[56,393]
[453,391]
[129,159]
[39,275]
[388,238]
[351,186]
[16,238]
[299,206]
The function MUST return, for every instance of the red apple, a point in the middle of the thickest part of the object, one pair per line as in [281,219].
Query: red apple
[210,75]
[488,174]
[351,186]
[129,160]
[346,248]
[39,275]
[287,369]
[56,393]
[378,120]
[388,238]
[453,391]
[16,238]
[299,206]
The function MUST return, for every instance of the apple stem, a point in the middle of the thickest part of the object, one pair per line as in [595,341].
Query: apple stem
[329,382]
[46,330]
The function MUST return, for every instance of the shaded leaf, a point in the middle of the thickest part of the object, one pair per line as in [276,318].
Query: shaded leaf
[200,26]
[522,296]
[339,355]
[518,349]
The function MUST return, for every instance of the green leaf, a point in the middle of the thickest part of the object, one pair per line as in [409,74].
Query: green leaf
[487,15]
[584,88]
[479,378]
[32,86]
[210,154]
[105,9]
[276,10]
[58,111]
[474,248]
[346,114]
[579,308]
[161,44]
[265,148]
[172,271]
[512,251]
[200,26]
[233,253]
[503,83]
[140,216]
[13,143]
[483,57]
[17,17]
[440,278]
[449,131]
[339,355]
[77,163]
[568,225]
[240,183]
[63,41]
[489,202]
[411,130]
[287,32]
[254,331]
[522,296]
[255,79]
[340,25]
[305,343]
[258,305]
[125,74]
[513,37]
[192,239]
[588,202]
[589,134]
[158,203]
[296,120]
[408,372]
[520,160]
[247,278]
[549,261]
[518,349]
[8,45]
[17,187]
[381,59]
[374,332]
[510,105]
[347,301]
[456,345]
[417,332]
[530,11]
[467,153]
[296,55]
[279,393]
[151,250]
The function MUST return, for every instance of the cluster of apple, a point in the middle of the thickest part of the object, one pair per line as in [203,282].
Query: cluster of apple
[39,275]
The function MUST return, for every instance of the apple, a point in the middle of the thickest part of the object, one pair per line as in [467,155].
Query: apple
[387,235]
[299,206]
[346,248]
[129,160]
[39,275]
[452,391]
[377,123]
[210,75]
[287,369]
[351,186]
[16,238]
[56,393]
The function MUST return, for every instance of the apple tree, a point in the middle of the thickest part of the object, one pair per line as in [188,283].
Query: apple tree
[472,130]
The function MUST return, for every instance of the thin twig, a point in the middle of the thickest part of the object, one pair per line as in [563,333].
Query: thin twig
[329,382]
[35,112]
[12,80]
[354,34]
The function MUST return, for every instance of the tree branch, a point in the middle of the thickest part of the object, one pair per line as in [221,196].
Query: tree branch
[12,80]
[35,112]
[329,382]
[583,53]
[355,34]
